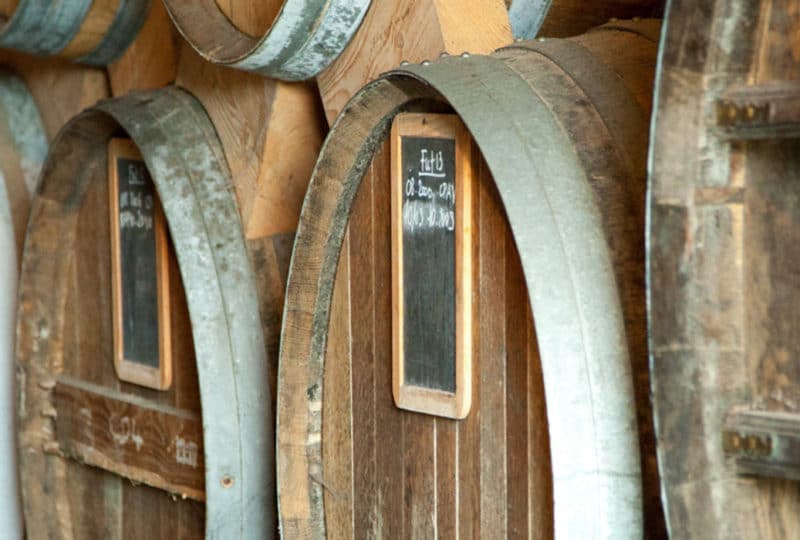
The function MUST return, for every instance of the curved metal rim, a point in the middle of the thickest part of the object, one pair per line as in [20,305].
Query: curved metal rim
[305,37]
[577,317]
[527,16]
[194,186]
[30,28]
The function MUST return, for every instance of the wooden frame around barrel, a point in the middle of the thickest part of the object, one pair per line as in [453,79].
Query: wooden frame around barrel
[194,185]
[579,320]
[305,36]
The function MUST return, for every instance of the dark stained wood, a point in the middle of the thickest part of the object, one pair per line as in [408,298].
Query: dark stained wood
[410,479]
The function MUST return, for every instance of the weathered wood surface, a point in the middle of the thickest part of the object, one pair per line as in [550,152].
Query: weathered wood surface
[90,32]
[64,343]
[302,38]
[722,246]
[270,131]
[540,251]
[561,18]
[395,31]
[23,147]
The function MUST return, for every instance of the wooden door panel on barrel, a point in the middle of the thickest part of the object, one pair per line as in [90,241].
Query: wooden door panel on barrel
[398,474]
[112,506]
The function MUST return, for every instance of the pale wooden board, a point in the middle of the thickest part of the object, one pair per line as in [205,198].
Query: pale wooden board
[411,30]
[271,133]
[151,61]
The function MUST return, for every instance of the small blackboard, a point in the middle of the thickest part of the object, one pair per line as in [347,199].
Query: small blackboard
[431,252]
[140,294]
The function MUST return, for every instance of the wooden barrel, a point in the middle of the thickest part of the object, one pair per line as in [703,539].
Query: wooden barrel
[23,146]
[105,458]
[550,444]
[560,18]
[304,36]
[723,238]
[90,32]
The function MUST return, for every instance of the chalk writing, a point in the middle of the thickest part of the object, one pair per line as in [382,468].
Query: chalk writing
[123,430]
[186,452]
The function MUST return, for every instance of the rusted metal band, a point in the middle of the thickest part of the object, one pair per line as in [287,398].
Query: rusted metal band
[47,27]
[573,294]
[650,29]
[306,36]
[179,145]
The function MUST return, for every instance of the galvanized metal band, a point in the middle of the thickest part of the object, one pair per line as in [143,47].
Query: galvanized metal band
[193,182]
[570,279]
[129,19]
[573,295]
[26,127]
[44,27]
[622,115]
[527,16]
[306,36]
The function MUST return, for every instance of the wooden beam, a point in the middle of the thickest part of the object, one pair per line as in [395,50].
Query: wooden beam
[411,30]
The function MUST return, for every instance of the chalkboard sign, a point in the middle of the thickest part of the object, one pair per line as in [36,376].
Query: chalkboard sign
[431,264]
[140,274]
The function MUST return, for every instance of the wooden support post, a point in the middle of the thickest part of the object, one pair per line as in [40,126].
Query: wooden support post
[411,30]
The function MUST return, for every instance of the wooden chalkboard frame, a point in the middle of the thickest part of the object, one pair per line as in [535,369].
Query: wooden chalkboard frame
[159,378]
[416,398]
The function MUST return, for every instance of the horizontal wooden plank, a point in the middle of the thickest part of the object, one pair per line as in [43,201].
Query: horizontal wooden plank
[130,436]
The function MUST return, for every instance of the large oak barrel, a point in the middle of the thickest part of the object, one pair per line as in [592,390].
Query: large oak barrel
[23,147]
[561,18]
[104,458]
[90,32]
[723,247]
[550,446]
[302,39]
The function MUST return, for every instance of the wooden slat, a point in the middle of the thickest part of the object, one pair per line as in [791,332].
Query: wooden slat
[388,423]
[362,321]
[492,364]
[517,396]
[128,436]
[337,431]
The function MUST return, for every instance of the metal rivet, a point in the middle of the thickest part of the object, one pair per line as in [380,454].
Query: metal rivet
[637,19]
[47,384]
[227,481]
[445,54]
[541,40]
[426,62]
[613,19]
[465,55]
[404,63]
[517,40]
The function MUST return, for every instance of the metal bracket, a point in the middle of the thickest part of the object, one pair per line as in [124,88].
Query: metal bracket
[763,443]
[759,112]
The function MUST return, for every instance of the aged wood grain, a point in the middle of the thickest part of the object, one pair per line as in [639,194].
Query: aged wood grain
[721,236]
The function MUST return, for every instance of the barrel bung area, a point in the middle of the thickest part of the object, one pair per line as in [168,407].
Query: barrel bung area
[399,269]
